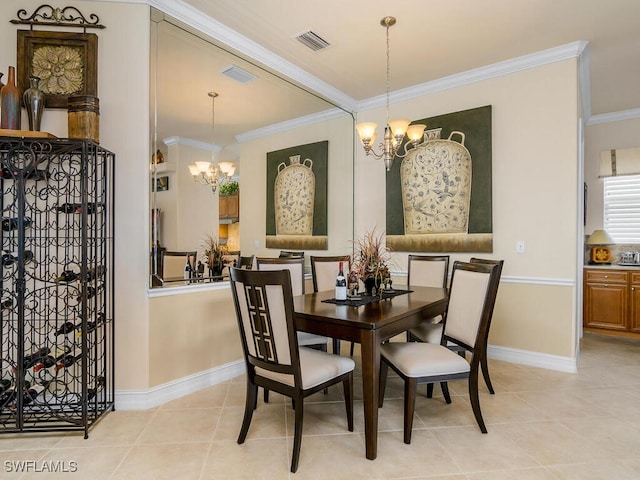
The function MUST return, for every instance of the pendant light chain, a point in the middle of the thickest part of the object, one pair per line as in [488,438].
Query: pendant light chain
[213,96]
[388,73]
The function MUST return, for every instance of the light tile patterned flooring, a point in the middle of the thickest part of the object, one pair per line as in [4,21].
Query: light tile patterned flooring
[542,425]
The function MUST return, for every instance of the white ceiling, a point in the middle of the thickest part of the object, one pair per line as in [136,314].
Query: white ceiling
[430,41]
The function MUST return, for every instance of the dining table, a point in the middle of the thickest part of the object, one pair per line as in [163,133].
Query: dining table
[369,325]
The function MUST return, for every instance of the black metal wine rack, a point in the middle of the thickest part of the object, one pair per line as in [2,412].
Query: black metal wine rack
[56,284]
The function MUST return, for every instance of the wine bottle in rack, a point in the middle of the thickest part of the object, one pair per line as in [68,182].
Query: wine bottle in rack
[65,328]
[9,259]
[96,387]
[91,292]
[34,174]
[36,355]
[33,392]
[78,208]
[69,359]
[5,384]
[91,325]
[9,224]
[341,285]
[69,276]
[6,304]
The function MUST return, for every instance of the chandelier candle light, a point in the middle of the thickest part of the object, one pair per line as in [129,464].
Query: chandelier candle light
[395,130]
[204,172]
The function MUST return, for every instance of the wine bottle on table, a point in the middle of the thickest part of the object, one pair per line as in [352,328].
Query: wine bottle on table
[188,271]
[341,285]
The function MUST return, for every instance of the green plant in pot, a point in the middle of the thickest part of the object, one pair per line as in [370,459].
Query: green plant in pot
[229,188]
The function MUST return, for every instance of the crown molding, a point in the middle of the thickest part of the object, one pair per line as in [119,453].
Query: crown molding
[544,57]
[191,143]
[614,116]
[290,124]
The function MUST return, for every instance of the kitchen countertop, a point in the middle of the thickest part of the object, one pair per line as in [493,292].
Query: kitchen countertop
[618,266]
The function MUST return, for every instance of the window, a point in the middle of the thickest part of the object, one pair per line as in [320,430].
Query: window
[622,208]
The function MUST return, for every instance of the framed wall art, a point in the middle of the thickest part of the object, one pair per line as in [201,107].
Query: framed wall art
[65,62]
[297,197]
[438,197]
[162,184]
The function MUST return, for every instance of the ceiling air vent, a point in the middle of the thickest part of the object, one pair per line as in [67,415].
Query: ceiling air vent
[313,41]
[238,74]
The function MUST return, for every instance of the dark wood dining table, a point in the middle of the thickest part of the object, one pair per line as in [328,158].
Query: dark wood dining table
[369,325]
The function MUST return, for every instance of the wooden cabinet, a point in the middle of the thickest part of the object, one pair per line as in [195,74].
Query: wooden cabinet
[612,301]
[230,207]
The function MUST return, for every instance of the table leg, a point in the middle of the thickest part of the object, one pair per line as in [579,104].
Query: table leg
[370,351]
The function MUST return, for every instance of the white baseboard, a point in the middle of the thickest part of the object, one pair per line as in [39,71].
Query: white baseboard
[152,397]
[533,359]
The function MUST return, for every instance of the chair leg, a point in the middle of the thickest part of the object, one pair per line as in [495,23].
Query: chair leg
[266,395]
[336,346]
[445,391]
[250,405]
[410,390]
[348,400]
[475,399]
[384,369]
[297,436]
[485,373]
[353,344]
[429,390]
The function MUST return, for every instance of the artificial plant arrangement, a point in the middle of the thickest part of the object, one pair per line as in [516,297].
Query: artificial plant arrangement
[371,261]
[213,251]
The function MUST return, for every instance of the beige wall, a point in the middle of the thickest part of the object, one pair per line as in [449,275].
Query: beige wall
[535,191]
[123,79]
[340,134]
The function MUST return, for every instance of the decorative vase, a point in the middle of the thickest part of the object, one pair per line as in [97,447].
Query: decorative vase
[294,196]
[10,103]
[34,103]
[436,186]
[372,285]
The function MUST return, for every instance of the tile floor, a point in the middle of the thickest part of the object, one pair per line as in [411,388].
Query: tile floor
[542,425]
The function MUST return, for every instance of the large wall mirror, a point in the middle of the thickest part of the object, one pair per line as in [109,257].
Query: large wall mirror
[254,113]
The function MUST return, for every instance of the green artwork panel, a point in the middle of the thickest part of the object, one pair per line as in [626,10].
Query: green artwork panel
[318,153]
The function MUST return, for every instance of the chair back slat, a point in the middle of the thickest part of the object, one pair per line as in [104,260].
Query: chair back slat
[264,308]
[295,265]
[324,270]
[428,270]
[471,296]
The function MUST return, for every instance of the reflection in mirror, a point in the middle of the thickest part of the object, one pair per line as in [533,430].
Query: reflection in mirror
[192,219]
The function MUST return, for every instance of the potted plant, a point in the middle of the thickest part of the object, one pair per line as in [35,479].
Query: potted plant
[371,261]
[213,251]
[229,188]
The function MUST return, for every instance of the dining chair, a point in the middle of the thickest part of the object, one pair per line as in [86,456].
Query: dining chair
[467,318]
[288,253]
[172,264]
[246,262]
[428,271]
[295,265]
[432,332]
[274,360]
[324,270]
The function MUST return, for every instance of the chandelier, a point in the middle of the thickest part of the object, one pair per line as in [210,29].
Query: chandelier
[227,169]
[203,172]
[395,130]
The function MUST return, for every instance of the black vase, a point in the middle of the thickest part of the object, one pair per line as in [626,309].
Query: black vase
[370,284]
[33,99]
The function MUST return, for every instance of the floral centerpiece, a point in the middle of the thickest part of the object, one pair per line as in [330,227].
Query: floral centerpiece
[213,251]
[371,261]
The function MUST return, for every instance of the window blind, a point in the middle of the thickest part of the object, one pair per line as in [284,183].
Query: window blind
[622,208]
